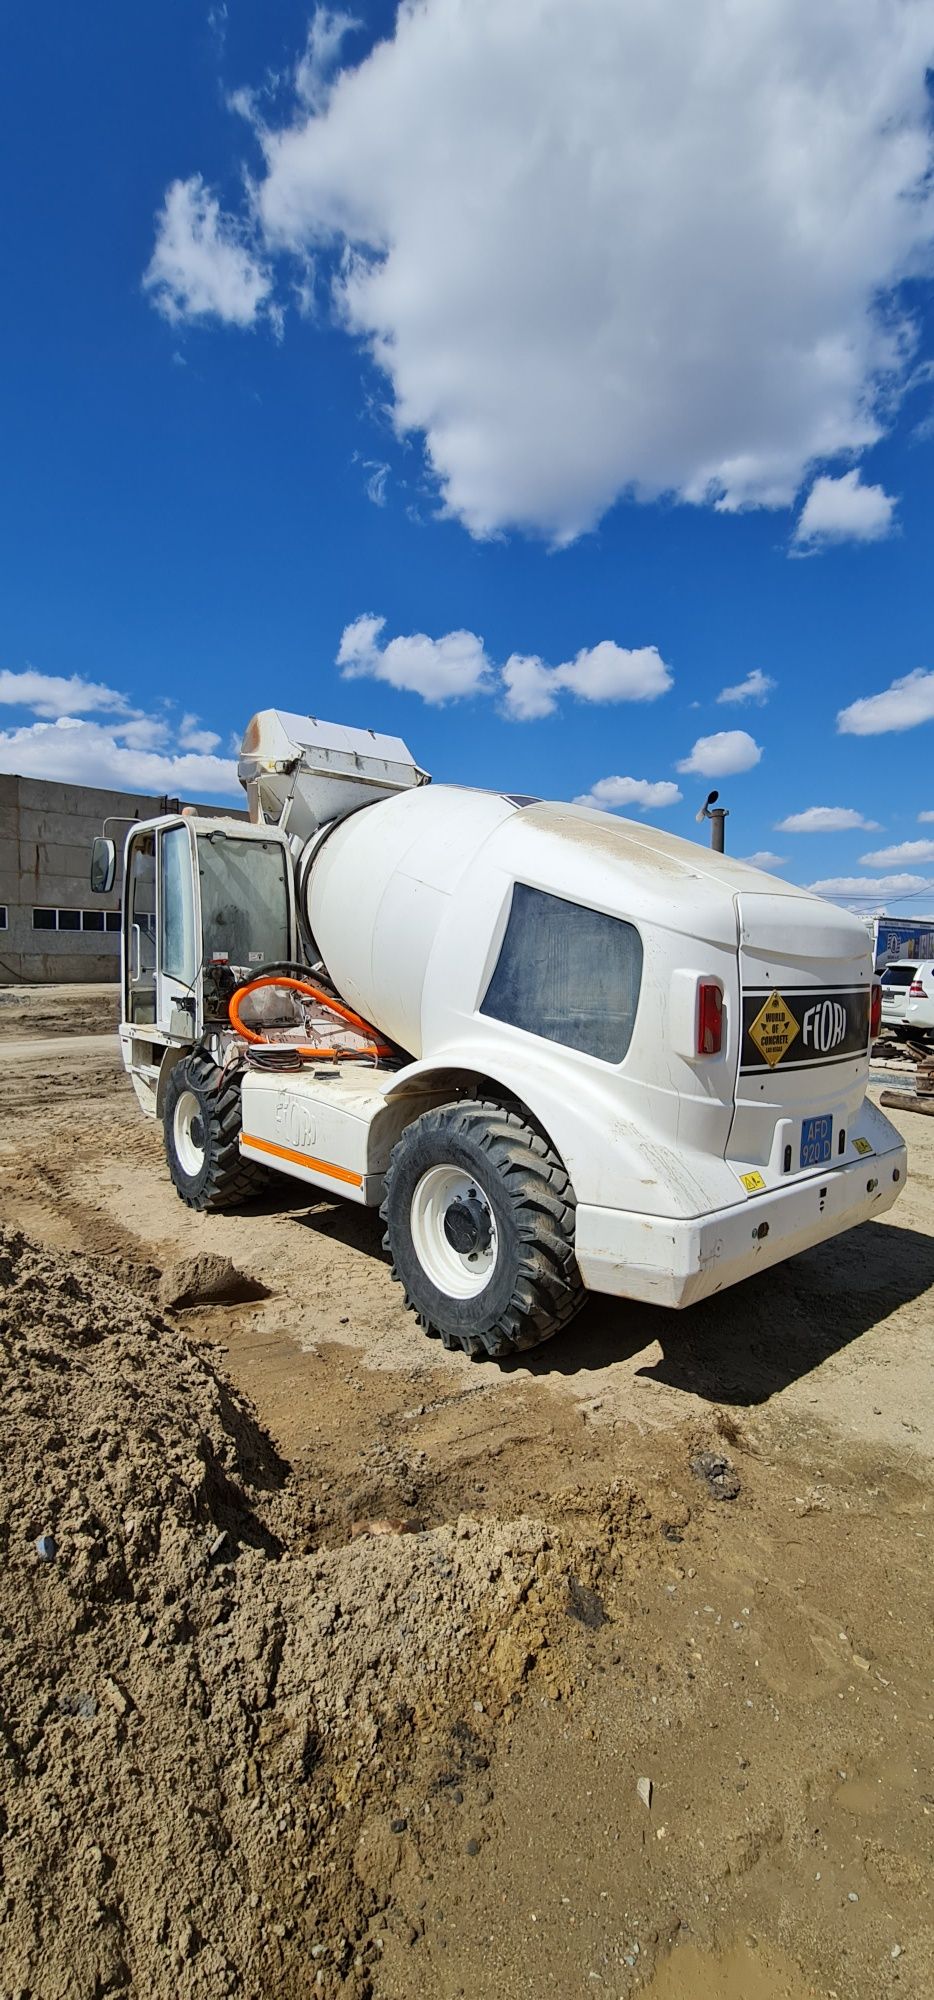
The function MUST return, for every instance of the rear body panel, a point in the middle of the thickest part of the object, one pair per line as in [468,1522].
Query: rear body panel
[806,979]
[675,1263]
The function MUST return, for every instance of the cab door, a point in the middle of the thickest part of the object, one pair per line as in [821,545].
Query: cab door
[178,963]
[139,930]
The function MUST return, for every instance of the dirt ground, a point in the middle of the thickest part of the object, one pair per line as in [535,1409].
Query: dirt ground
[574,1610]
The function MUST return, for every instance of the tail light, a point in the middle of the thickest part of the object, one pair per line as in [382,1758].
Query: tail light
[709,1019]
[875,1012]
[916,990]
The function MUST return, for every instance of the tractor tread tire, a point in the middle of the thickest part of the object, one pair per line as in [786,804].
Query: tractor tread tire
[227,1180]
[540,1289]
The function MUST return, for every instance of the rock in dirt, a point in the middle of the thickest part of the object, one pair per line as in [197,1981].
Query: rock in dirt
[585,1605]
[382,1526]
[207,1280]
[717,1474]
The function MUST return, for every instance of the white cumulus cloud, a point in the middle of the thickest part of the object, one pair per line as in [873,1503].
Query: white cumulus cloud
[457,664]
[56,694]
[911,851]
[926,817]
[870,887]
[130,751]
[529,690]
[903,705]
[825,819]
[192,737]
[722,754]
[606,248]
[608,672]
[764,858]
[90,753]
[437,669]
[605,672]
[203,265]
[844,510]
[756,687]
[612,794]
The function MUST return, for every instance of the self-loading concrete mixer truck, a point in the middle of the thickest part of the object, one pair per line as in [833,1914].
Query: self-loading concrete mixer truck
[560,1052]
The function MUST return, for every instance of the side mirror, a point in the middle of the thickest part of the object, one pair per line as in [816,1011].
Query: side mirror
[103,865]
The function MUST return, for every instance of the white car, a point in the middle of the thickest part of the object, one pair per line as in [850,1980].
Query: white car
[896,985]
[919,1002]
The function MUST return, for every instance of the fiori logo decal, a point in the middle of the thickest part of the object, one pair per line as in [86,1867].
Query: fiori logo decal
[804,1030]
[824,1026]
[295,1125]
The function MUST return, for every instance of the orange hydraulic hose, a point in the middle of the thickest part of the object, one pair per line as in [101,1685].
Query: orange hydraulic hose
[371,1048]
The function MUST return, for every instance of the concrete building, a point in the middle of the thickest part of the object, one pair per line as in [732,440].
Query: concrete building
[51,927]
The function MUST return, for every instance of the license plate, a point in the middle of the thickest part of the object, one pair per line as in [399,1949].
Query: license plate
[816,1141]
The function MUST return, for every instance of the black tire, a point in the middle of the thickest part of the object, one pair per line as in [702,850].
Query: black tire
[523,1198]
[221,1178]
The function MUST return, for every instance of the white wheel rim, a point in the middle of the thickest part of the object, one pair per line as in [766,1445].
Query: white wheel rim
[188,1132]
[459,1273]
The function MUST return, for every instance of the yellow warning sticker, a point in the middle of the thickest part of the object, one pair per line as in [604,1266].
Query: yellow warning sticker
[773,1029]
[863,1145]
[753,1183]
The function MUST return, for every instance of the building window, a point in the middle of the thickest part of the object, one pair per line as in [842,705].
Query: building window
[74,920]
[567,973]
[3,917]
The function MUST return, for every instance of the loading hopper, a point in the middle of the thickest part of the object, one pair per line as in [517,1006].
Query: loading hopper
[301,774]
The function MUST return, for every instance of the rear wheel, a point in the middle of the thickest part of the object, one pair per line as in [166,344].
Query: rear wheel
[479,1216]
[201,1124]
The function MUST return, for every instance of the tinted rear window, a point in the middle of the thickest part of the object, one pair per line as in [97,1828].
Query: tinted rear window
[898,975]
[567,973]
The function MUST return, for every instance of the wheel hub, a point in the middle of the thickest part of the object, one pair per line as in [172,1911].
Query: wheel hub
[468,1225]
[454,1232]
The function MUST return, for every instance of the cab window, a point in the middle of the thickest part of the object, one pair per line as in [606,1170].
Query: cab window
[244,900]
[178,923]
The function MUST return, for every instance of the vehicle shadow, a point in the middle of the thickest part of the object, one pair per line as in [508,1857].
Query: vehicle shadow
[748,1343]
[339,1221]
[741,1346]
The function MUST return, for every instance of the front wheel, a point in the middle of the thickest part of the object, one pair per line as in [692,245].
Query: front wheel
[201,1126]
[479,1216]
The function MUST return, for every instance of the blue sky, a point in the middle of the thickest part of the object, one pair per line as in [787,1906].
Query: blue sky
[598,355]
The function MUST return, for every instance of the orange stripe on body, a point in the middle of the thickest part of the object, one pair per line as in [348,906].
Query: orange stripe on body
[303,1160]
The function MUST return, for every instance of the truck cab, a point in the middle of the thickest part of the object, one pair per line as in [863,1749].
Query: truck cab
[208,903]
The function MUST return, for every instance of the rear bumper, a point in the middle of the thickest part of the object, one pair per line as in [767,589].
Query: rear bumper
[674,1262]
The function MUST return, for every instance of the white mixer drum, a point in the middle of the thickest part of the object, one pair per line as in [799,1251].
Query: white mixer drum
[380,890]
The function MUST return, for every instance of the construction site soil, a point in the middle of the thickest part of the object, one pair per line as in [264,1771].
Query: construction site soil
[334,1665]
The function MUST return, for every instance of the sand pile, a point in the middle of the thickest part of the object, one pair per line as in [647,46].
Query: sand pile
[204,1724]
